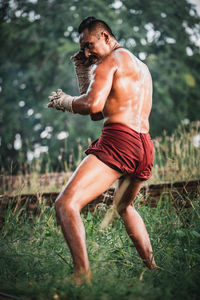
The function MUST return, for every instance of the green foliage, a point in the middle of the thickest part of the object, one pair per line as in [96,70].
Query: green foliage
[35,262]
[37,40]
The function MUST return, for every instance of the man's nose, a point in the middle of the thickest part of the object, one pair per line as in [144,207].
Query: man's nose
[87,53]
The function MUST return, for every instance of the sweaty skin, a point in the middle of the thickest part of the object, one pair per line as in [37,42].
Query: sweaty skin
[130,98]
[120,92]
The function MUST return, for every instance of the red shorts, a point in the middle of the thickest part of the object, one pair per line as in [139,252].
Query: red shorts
[124,150]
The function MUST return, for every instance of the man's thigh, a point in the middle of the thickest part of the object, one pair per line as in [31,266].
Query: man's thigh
[90,179]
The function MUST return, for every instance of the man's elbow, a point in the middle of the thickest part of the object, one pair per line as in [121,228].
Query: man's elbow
[97,117]
[96,107]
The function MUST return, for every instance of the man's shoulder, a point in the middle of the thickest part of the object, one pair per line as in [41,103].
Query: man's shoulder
[121,58]
[117,56]
[123,55]
[110,59]
[127,58]
[122,52]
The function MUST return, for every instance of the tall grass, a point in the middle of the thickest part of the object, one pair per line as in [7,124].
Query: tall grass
[177,157]
[35,262]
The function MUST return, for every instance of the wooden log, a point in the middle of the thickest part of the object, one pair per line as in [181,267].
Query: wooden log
[179,192]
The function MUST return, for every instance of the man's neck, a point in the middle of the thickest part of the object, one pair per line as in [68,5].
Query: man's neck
[114,45]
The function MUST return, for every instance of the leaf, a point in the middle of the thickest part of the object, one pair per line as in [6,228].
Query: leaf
[195,233]
[180,233]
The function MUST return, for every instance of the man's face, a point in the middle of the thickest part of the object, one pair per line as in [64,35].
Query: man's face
[93,45]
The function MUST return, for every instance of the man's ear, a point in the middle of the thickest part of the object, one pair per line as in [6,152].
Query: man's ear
[106,36]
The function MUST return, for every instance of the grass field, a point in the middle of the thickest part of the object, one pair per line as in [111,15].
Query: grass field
[35,262]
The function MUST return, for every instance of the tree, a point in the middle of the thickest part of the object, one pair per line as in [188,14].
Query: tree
[37,39]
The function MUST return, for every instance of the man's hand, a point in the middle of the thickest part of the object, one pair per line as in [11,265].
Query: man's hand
[61,101]
[80,59]
[55,100]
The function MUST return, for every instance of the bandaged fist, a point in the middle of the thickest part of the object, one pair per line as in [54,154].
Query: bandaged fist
[61,101]
[55,100]
[80,59]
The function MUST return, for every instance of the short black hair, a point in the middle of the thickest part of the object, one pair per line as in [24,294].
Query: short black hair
[92,23]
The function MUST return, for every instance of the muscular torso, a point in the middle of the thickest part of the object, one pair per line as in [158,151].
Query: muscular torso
[130,98]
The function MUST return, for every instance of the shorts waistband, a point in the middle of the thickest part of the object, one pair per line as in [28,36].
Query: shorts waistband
[125,128]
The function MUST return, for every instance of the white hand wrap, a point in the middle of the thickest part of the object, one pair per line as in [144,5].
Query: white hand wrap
[65,102]
[83,73]
[61,101]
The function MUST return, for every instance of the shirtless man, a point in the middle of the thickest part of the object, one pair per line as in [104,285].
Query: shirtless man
[120,93]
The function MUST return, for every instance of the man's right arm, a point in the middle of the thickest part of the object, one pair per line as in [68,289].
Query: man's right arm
[94,100]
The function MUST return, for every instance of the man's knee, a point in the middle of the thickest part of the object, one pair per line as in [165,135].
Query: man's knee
[66,201]
[122,208]
[66,206]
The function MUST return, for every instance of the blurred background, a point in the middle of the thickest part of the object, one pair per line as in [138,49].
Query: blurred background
[37,39]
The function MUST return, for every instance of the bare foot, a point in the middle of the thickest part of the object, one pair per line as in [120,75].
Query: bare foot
[83,277]
[154,267]
[151,265]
